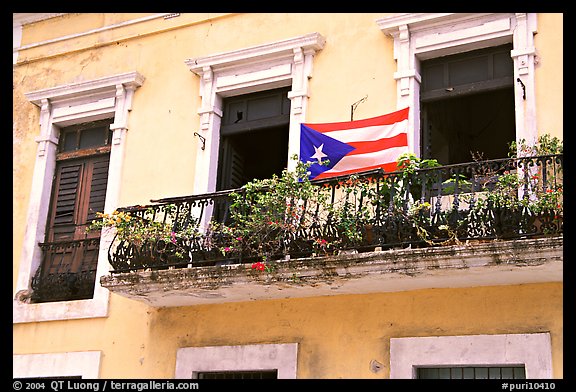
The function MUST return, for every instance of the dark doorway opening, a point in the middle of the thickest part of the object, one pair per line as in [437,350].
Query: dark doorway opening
[253,138]
[475,126]
[258,154]
[468,106]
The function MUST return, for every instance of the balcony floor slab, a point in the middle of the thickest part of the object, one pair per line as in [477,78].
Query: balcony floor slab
[469,264]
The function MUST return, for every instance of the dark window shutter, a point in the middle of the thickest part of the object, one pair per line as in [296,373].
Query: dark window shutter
[66,194]
[68,269]
[231,168]
[79,193]
[98,187]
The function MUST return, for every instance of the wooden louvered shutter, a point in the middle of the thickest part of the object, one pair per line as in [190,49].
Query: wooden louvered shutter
[65,205]
[94,193]
[231,168]
[98,187]
[79,193]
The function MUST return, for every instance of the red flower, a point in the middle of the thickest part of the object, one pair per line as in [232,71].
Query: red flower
[259,266]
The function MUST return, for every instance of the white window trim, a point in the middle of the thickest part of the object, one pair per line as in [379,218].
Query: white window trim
[421,36]
[192,360]
[82,363]
[531,350]
[63,106]
[277,64]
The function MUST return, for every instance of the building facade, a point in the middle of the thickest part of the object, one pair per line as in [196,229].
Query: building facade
[112,110]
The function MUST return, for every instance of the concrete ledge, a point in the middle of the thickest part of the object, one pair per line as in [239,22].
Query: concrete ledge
[466,265]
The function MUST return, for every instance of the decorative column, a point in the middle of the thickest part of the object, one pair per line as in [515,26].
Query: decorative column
[523,55]
[39,196]
[210,119]
[301,72]
[408,84]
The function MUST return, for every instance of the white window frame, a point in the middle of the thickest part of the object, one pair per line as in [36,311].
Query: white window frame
[533,350]
[81,363]
[108,97]
[252,357]
[264,67]
[422,36]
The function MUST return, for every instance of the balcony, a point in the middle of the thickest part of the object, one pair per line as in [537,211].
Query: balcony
[479,223]
[68,271]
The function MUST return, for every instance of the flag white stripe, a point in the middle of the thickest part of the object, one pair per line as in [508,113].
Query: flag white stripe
[353,162]
[372,133]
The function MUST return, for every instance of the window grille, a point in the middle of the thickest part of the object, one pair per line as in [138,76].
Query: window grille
[472,372]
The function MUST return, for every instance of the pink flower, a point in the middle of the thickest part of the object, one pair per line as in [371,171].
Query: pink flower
[173,237]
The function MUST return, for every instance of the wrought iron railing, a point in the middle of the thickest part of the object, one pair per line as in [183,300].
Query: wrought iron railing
[483,200]
[68,271]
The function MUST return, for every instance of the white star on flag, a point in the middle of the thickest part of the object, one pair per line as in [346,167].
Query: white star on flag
[319,154]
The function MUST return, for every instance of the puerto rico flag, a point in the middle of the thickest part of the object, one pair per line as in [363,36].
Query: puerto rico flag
[354,146]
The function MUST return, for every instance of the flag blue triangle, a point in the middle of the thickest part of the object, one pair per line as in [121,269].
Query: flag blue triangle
[324,151]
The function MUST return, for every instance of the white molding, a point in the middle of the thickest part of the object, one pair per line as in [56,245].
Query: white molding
[423,36]
[532,350]
[263,67]
[84,89]
[192,360]
[312,42]
[82,363]
[107,97]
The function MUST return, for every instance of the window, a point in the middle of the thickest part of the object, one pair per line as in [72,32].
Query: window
[239,375]
[243,361]
[420,37]
[64,111]
[68,269]
[501,353]
[467,104]
[253,137]
[67,365]
[276,65]
[471,372]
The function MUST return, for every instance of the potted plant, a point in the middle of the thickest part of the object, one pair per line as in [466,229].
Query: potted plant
[148,242]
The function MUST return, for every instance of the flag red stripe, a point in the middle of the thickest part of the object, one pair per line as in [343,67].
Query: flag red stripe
[388,167]
[399,140]
[387,119]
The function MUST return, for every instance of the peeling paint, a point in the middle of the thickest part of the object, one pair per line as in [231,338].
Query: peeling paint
[402,269]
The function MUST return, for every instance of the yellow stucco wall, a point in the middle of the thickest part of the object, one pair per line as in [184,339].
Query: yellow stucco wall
[158,52]
[549,75]
[338,336]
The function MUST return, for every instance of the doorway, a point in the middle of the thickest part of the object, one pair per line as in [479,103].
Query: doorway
[467,106]
[253,137]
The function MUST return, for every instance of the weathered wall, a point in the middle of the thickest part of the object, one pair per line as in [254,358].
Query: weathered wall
[338,336]
[550,75]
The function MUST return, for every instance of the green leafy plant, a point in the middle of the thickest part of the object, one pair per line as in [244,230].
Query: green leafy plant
[133,229]
[268,213]
[545,145]
[410,182]
[449,186]
[350,214]
[536,189]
